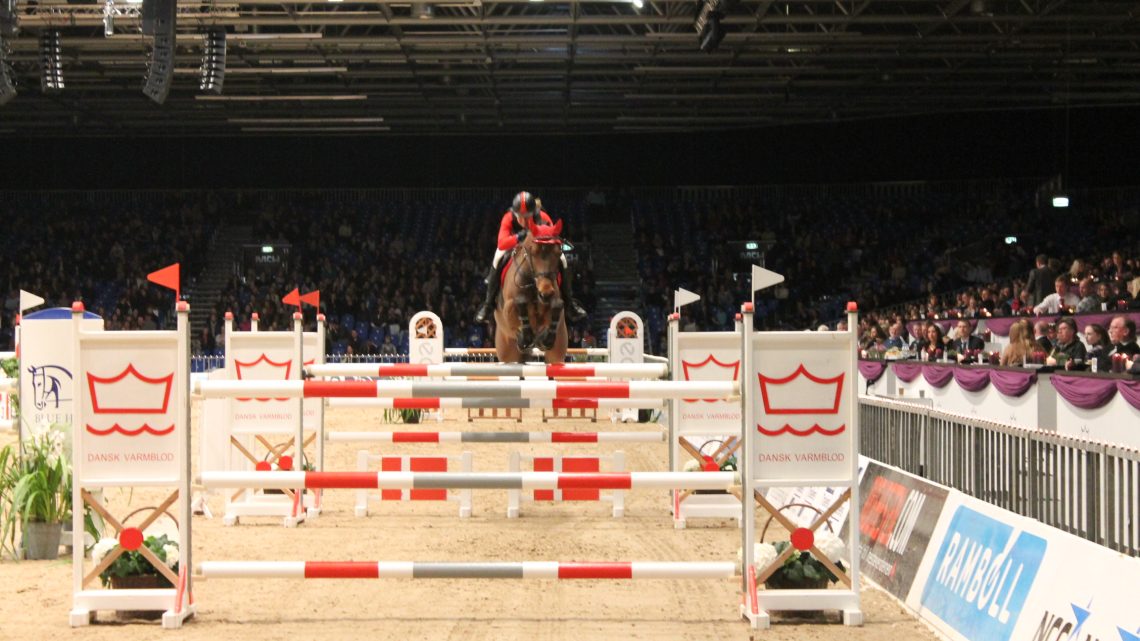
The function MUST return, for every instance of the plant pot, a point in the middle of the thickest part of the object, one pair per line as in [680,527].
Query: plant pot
[780,583]
[140,582]
[40,540]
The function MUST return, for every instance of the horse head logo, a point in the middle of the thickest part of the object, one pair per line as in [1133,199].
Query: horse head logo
[47,384]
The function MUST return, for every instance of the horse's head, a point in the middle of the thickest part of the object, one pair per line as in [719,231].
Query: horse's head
[39,386]
[544,247]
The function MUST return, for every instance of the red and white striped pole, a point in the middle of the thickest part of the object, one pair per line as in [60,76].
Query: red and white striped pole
[490,570]
[469,480]
[467,389]
[497,437]
[499,403]
[525,370]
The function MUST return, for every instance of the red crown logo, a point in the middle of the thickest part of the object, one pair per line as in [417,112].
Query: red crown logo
[709,369]
[129,392]
[263,369]
[270,371]
[802,393]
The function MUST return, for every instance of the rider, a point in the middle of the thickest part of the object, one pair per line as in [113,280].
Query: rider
[512,231]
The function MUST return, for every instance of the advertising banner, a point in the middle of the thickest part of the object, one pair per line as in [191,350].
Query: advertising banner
[978,582]
[803,407]
[1084,592]
[897,521]
[131,394]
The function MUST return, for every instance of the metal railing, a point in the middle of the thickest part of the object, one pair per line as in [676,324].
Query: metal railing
[1085,488]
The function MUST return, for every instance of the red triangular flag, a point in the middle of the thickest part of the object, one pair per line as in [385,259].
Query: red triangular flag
[312,298]
[293,298]
[168,277]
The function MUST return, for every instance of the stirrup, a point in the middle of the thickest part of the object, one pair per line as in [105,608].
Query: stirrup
[575,312]
[484,313]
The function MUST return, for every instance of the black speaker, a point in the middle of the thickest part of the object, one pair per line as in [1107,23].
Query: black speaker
[156,14]
[8,22]
[158,20]
[7,86]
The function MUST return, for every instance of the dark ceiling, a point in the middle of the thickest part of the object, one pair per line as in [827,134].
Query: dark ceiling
[344,67]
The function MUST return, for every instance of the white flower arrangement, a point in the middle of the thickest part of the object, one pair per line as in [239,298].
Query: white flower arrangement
[132,562]
[799,567]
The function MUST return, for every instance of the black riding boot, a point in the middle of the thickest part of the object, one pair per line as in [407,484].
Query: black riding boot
[574,311]
[488,309]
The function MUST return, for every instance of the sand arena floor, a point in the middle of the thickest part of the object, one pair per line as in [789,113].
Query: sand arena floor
[36,595]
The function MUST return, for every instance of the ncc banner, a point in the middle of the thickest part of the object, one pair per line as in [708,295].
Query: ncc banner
[897,520]
[1084,592]
[803,405]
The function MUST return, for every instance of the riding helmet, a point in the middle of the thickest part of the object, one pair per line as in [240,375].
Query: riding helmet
[525,205]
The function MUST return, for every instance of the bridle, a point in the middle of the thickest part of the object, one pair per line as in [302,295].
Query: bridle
[525,277]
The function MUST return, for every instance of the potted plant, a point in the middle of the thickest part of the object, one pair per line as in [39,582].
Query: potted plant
[132,570]
[411,415]
[35,488]
[801,570]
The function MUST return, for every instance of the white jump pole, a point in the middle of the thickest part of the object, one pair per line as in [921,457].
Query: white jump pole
[421,570]
[490,351]
[521,389]
[525,370]
[498,437]
[472,480]
[498,403]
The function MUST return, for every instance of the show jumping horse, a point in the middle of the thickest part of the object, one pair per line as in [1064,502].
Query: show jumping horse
[528,312]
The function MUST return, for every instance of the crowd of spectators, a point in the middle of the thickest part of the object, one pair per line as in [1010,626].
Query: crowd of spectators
[97,247]
[377,262]
[379,258]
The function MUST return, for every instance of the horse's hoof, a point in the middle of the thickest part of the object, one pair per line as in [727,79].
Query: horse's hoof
[546,340]
[525,339]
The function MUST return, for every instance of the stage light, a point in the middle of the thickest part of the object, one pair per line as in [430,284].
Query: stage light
[213,62]
[51,61]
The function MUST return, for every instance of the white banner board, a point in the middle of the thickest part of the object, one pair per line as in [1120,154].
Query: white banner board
[803,406]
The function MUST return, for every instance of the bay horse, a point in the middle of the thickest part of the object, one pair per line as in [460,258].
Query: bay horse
[528,312]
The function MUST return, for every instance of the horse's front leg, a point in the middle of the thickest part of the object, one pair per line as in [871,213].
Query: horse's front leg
[526,332]
[550,334]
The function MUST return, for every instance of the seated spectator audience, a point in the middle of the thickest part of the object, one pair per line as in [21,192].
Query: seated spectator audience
[1020,346]
[1069,347]
[1122,333]
[1098,346]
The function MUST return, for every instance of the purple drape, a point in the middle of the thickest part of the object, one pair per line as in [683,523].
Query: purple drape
[1012,383]
[971,379]
[1130,390]
[938,375]
[872,370]
[907,372]
[1000,326]
[1085,393]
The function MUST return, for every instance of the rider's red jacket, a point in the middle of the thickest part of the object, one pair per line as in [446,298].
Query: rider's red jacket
[508,228]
